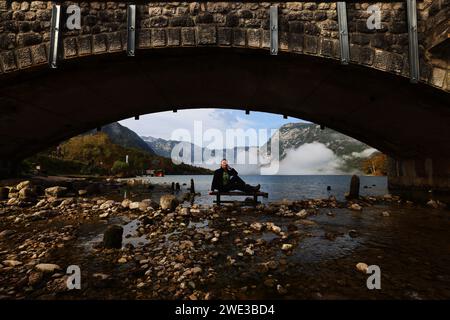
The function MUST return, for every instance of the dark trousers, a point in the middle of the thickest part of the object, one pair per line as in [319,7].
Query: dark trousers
[236,183]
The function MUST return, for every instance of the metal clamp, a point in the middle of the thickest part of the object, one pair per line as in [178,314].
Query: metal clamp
[273,30]
[54,36]
[131,30]
[343,32]
[414,71]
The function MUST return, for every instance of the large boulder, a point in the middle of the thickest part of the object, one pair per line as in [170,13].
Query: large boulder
[27,193]
[145,204]
[168,202]
[55,191]
[126,203]
[107,205]
[23,184]
[112,238]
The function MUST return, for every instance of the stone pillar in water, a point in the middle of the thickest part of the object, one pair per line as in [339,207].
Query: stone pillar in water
[192,189]
[354,188]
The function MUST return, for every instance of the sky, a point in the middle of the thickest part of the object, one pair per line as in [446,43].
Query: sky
[312,158]
[165,124]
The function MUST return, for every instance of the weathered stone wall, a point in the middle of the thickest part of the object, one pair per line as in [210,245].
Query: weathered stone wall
[436,30]
[305,28]
[420,174]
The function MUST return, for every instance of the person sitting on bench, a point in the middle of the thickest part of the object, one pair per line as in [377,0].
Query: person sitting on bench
[226,179]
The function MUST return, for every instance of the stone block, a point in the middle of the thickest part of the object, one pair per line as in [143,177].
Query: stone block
[24,58]
[158,37]
[188,36]
[206,34]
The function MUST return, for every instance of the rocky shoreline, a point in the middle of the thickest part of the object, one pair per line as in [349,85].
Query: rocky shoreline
[176,249]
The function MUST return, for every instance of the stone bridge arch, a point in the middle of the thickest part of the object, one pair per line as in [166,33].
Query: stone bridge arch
[216,54]
[309,28]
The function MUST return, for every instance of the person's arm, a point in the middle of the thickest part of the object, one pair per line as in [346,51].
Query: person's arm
[233,172]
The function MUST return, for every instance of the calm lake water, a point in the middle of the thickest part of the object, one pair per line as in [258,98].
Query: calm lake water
[285,187]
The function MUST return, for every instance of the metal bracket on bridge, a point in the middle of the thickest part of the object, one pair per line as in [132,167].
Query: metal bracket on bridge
[273,30]
[131,23]
[343,32]
[413,41]
[54,36]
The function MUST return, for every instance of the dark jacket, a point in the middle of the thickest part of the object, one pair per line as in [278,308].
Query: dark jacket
[217,182]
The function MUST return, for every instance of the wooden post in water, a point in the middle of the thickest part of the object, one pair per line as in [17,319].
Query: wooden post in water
[192,190]
[354,188]
[177,186]
[173,186]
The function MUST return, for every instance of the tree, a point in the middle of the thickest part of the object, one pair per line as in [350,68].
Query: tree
[120,168]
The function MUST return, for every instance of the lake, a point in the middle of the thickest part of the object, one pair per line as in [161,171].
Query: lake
[285,187]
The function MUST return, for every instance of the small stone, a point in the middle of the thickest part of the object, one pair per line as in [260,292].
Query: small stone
[55,191]
[35,278]
[82,192]
[106,205]
[361,266]
[302,214]
[385,214]
[273,228]
[286,246]
[11,263]
[185,211]
[355,207]
[168,202]
[126,203]
[256,226]
[269,282]
[433,204]
[281,290]
[23,184]
[122,260]
[134,205]
[47,267]
[353,233]
[214,239]
[104,215]
[6,233]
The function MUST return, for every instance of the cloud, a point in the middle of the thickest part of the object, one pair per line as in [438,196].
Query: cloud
[363,154]
[163,124]
[310,158]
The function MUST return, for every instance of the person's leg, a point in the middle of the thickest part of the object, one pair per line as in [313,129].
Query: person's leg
[238,184]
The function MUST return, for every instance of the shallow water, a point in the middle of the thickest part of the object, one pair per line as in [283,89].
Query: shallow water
[283,187]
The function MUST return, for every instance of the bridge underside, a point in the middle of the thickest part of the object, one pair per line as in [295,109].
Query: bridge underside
[43,107]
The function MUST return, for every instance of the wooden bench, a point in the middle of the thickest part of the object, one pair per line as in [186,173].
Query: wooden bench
[255,196]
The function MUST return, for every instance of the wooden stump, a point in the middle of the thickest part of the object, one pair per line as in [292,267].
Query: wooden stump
[354,188]
[112,238]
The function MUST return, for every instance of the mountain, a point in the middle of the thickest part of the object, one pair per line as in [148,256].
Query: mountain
[304,148]
[349,152]
[125,137]
[160,146]
[164,148]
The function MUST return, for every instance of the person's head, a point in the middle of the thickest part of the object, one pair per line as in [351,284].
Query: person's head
[224,164]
